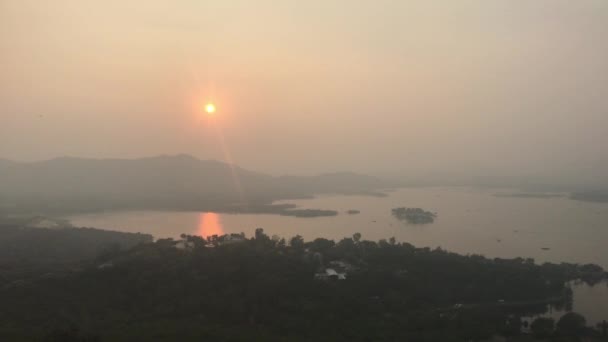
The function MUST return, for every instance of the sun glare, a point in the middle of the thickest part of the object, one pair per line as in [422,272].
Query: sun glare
[210,108]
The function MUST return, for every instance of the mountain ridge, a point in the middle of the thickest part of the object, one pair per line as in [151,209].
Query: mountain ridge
[174,182]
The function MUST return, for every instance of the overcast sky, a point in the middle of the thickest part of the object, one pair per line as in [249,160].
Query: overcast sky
[385,87]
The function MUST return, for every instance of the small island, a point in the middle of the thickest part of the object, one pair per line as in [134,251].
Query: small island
[530,195]
[283,209]
[353,212]
[414,215]
[308,213]
[599,196]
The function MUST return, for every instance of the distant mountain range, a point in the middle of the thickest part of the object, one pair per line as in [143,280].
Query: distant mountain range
[178,182]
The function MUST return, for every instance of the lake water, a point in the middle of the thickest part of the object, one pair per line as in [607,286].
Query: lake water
[470,220]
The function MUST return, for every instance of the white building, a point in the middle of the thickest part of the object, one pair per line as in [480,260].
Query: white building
[184,245]
[330,273]
[232,238]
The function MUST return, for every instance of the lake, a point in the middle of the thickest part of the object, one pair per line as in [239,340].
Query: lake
[470,220]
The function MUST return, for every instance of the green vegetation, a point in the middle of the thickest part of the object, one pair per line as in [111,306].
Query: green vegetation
[234,289]
[30,253]
[414,215]
[543,327]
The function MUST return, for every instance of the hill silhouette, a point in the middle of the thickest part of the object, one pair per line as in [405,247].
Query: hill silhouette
[179,182]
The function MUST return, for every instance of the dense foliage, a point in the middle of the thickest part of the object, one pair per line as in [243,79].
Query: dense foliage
[33,252]
[231,288]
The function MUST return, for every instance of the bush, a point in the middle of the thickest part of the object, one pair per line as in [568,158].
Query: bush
[571,324]
[543,327]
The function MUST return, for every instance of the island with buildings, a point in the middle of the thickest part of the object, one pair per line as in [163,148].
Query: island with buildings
[414,215]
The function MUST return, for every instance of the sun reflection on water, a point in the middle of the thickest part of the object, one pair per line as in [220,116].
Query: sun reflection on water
[209,224]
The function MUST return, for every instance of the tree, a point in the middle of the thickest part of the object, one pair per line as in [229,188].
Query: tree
[542,327]
[214,240]
[297,242]
[321,245]
[571,323]
[70,335]
[259,234]
[603,326]
[357,237]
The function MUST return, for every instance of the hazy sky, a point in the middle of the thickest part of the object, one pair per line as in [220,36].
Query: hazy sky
[385,87]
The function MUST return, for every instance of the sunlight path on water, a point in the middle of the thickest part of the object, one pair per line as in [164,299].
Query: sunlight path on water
[209,225]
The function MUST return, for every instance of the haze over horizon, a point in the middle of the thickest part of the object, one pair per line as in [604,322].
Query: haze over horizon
[406,89]
[303,170]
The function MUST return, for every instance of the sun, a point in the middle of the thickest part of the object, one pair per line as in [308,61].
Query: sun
[210,108]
